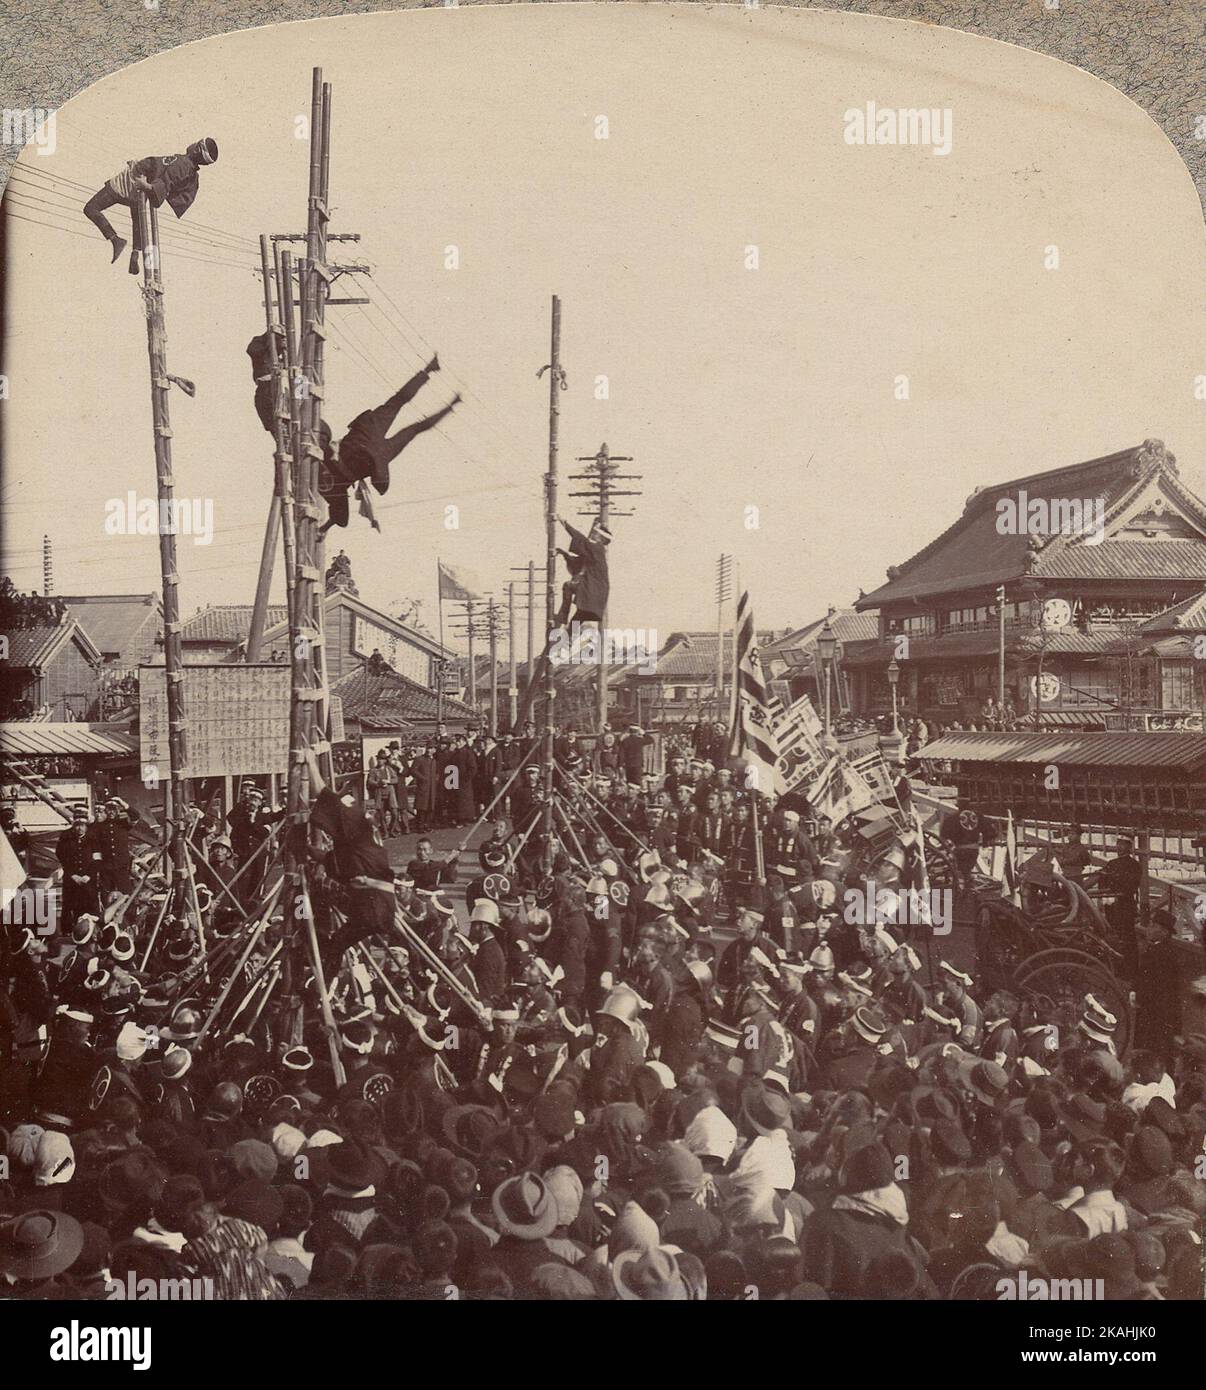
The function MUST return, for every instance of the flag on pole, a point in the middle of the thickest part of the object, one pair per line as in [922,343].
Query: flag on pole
[1013,888]
[753,735]
[456,582]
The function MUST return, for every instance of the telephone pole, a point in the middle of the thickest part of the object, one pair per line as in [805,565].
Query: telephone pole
[492,619]
[532,601]
[472,658]
[512,688]
[557,384]
[600,478]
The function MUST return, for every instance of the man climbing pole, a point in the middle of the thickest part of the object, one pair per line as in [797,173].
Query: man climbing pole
[171,179]
[367,450]
[261,372]
[588,584]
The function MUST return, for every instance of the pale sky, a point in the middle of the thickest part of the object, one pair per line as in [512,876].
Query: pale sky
[771,388]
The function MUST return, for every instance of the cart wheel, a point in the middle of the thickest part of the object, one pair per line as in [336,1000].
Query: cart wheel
[1064,977]
[261,1089]
[377,1087]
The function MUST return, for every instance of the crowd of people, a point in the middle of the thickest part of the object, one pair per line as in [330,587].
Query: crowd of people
[653,1058]
[19,611]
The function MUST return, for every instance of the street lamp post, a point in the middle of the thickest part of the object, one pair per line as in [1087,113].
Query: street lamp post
[893,682]
[826,650]
[892,744]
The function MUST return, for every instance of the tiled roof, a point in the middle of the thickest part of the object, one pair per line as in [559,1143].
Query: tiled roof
[380,701]
[1186,616]
[1186,751]
[27,645]
[26,740]
[111,620]
[960,644]
[1171,559]
[848,625]
[691,656]
[972,553]
[227,622]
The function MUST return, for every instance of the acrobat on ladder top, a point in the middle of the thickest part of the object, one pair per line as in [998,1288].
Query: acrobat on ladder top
[170,178]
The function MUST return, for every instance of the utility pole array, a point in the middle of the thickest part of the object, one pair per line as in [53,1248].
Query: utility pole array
[485,623]
[535,598]
[600,479]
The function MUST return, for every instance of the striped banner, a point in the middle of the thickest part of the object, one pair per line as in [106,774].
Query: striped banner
[798,734]
[753,734]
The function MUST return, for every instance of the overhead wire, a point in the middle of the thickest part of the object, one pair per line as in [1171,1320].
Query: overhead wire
[205,243]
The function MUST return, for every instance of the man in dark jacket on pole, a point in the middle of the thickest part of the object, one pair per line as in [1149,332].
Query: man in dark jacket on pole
[587,561]
[368,449]
[169,178]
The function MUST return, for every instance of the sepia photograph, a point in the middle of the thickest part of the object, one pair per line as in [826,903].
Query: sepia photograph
[603,667]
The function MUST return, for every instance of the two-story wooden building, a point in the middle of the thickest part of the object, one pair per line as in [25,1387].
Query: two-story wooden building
[49,672]
[127,629]
[1085,564]
[354,631]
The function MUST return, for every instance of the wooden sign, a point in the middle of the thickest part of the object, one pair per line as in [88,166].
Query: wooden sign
[236,720]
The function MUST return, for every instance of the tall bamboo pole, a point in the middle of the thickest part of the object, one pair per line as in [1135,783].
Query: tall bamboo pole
[280,513]
[176,788]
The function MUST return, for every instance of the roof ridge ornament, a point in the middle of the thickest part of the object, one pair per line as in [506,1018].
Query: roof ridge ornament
[1153,456]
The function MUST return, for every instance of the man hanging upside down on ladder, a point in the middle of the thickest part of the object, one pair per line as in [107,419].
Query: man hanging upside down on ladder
[170,178]
[367,450]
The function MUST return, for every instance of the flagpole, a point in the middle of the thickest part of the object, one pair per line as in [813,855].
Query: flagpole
[440,659]
[734,734]
[733,697]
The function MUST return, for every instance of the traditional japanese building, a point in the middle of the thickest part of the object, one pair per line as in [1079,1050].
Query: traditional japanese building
[795,660]
[354,632]
[1096,569]
[680,685]
[49,672]
[126,629]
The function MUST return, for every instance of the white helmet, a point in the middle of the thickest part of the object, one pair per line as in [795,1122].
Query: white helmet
[623,1004]
[823,893]
[485,910]
[821,958]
